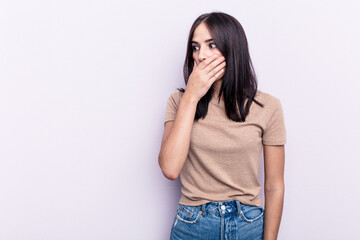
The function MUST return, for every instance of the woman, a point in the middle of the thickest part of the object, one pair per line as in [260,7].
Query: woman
[215,131]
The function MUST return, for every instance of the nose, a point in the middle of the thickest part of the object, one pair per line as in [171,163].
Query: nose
[204,54]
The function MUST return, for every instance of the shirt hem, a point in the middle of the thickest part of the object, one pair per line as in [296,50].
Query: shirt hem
[256,202]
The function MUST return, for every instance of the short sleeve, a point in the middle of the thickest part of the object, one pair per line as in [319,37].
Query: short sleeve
[275,132]
[172,106]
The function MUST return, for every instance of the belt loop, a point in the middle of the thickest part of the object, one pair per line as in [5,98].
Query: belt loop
[238,207]
[203,209]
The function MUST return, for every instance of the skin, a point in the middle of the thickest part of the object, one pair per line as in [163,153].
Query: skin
[209,66]
[208,70]
[274,156]
[204,48]
[274,161]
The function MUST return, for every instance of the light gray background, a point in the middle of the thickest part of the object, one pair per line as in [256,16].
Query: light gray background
[84,86]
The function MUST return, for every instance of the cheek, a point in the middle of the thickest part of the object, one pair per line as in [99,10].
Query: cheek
[218,52]
[194,56]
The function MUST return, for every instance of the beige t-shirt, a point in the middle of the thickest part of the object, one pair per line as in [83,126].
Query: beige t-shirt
[223,162]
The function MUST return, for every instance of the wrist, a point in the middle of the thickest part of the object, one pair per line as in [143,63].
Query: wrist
[189,98]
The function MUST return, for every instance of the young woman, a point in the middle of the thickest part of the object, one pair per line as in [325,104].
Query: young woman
[215,131]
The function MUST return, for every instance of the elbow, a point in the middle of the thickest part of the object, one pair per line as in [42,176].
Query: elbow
[172,177]
[166,172]
[279,187]
[169,175]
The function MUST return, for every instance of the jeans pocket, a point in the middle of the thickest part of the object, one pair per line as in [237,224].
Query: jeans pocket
[188,214]
[251,213]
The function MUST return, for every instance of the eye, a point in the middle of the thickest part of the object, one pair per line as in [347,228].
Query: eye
[195,48]
[212,45]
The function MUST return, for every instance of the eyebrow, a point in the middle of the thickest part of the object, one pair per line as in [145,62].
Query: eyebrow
[209,40]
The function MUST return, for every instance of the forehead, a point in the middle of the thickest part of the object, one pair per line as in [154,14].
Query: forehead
[201,33]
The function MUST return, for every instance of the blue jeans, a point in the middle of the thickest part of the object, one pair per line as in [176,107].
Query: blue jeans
[219,221]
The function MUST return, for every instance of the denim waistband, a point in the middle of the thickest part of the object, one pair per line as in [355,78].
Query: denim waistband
[221,208]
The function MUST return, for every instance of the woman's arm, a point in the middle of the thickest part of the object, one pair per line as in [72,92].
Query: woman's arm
[274,161]
[176,139]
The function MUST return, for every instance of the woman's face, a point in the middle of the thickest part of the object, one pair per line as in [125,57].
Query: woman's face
[202,44]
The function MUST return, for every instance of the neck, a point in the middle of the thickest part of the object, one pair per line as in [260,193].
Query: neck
[216,86]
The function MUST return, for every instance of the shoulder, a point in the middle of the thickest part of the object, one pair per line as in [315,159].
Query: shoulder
[174,99]
[176,96]
[269,101]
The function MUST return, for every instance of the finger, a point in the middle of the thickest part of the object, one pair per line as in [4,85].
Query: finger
[214,64]
[216,76]
[195,65]
[206,62]
[216,69]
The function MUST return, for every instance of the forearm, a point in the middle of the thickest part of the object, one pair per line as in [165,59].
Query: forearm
[273,211]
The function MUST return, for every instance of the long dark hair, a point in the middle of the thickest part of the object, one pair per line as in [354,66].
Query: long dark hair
[239,81]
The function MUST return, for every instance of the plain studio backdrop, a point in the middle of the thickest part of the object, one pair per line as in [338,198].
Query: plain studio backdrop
[84,86]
